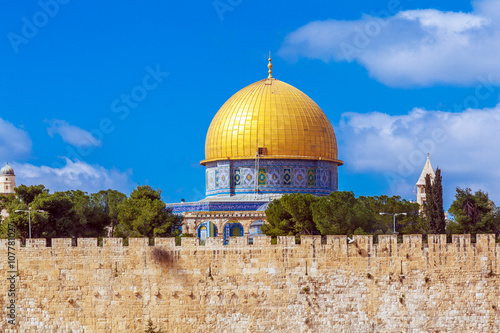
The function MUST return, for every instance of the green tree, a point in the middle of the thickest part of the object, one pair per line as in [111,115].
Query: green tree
[91,217]
[5,200]
[409,223]
[109,201]
[28,193]
[433,207]
[57,221]
[474,213]
[144,214]
[290,215]
[340,213]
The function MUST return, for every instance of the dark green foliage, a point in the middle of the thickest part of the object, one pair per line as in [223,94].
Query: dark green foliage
[405,224]
[144,214]
[340,213]
[433,208]
[58,220]
[474,213]
[290,215]
[109,202]
[67,214]
[5,200]
[28,193]
[91,217]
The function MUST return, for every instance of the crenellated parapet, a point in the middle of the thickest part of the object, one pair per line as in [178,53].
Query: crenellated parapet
[412,253]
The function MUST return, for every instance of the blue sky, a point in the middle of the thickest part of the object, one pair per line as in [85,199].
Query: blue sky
[397,79]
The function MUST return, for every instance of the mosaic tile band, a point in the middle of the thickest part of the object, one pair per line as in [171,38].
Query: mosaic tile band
[227,178]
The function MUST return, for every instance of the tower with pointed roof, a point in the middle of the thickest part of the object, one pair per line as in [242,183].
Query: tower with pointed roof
[428,170]
[7,180]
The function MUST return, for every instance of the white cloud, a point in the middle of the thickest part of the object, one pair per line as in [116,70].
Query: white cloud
[464,145]
[72,176]
[414,47]
[15,143]
[73,135]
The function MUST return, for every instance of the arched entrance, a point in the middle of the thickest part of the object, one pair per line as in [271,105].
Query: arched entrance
[207,229]
[232,230]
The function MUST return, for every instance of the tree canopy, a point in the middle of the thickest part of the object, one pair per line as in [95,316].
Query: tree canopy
[433,207]
[339,213]
[290,215]
[78,214]
[474,213]
[144,214]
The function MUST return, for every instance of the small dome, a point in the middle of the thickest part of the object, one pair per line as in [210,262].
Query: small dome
[263,207]
[255,229]
[7,170]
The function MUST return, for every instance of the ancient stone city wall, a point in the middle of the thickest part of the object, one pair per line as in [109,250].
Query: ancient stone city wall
[311,287]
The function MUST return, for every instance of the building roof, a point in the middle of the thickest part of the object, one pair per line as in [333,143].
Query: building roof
[7,170]
[274,115]
[427,170]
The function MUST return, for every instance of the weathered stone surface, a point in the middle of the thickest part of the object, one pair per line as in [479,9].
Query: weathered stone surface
[315,286]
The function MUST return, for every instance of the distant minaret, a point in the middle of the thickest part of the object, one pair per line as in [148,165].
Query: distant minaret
[7,179]
[421,181]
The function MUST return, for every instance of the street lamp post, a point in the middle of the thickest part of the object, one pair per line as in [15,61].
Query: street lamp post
[394,218]
[29,215]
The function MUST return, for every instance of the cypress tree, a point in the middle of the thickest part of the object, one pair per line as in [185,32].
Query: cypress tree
[437,200]
[433,209]
[429,205]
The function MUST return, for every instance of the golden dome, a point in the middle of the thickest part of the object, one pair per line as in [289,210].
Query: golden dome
[273,115]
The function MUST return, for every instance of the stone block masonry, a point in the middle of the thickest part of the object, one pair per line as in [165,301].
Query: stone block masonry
[287,287]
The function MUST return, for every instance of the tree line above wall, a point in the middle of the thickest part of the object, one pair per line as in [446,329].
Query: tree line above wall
[79,214]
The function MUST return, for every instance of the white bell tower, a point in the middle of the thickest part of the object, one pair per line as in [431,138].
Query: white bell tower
[7,180]
[421,196]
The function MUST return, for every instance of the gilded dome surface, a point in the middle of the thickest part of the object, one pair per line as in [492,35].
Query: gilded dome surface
[273,115]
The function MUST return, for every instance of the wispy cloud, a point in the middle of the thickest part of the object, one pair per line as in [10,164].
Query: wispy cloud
[14,142]
[71,134]
[74,175]
[464,145]
[414,47]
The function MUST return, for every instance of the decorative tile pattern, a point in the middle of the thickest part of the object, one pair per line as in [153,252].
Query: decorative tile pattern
[237,177]
[299,177]
[262,176]
[334,180]
[211,179]
[310,177]
[248,175]
[324,178]
[273,176]
[223,179]
[287,177]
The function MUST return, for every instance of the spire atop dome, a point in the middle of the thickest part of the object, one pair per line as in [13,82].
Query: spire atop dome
[270,66]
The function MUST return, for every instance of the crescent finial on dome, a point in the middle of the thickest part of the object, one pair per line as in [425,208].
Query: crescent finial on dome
[270,66]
